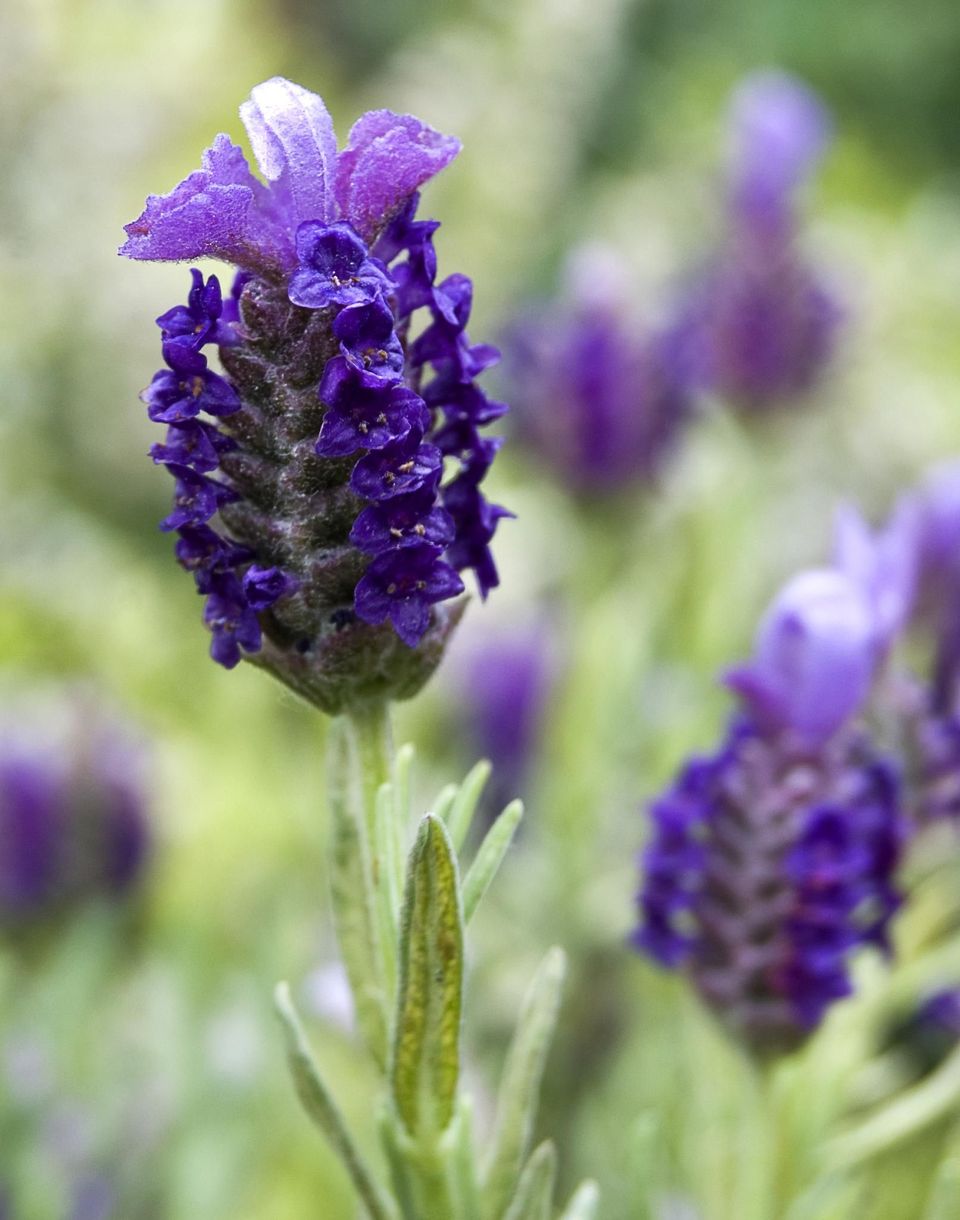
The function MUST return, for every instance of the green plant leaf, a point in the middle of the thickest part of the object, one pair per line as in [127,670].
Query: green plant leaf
[534,1197]
[520,1086]
[489,857]
[464,804]
[320,1106]
[426,1052]
[584,1203]
[444,802]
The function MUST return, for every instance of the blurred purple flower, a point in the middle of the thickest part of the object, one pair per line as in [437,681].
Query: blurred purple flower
[761,324]
[814,658]
[506,677]
[73,822]
[597,399]
[883,563]
[773,859]
[779,130]
[768,866]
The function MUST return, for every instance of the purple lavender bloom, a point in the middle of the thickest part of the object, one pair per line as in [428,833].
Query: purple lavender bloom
[504,687]
[598,400]
[769,866]
[310,501]
[774,859]
[814,659]
[760,326]
[73,822]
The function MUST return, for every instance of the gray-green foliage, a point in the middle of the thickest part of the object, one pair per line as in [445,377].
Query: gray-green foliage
[404,955]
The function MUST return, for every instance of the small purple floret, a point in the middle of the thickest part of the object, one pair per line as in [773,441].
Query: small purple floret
[401,586]
[335,268]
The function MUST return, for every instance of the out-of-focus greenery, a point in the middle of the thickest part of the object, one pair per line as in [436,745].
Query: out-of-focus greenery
[580,118]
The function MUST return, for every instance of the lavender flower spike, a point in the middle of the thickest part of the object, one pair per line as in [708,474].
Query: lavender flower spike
[772,860]
[327,488]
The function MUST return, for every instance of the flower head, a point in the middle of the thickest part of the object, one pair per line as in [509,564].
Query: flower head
[327,488]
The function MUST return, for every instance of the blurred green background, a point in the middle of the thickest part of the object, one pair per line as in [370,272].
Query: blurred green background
[580,119]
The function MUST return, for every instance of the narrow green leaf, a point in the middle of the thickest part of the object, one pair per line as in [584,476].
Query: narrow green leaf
[936,1097]
[444,802]
[426,1052]
[463,1167]
[534,1197]
[465,803]
[520,1086]
[584,1204]
[489,858]
[354,900]
[320,1106]
[944,1202]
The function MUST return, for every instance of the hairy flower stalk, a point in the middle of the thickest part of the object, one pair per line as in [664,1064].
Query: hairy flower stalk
[327,489]
[774,859]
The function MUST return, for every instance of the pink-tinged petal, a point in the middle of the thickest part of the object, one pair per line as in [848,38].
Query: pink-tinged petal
[388,156]
[293,140]
[219,211]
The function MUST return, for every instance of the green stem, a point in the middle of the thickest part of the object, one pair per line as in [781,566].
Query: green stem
[371,749]
[759,1154]
[372,743]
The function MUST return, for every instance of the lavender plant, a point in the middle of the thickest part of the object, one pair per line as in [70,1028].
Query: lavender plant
[346,436]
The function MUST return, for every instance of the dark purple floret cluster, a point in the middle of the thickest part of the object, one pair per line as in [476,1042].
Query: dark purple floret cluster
[345,433]
[73,824]
[235,588]
[768,867]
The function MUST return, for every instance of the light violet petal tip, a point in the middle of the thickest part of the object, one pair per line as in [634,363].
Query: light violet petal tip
[293,140]
[388,156]
[780,128]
